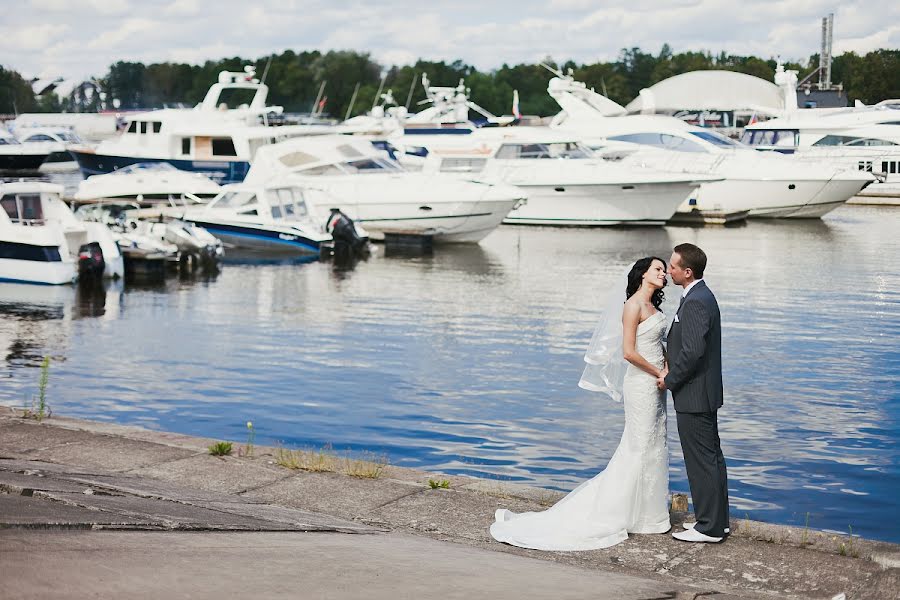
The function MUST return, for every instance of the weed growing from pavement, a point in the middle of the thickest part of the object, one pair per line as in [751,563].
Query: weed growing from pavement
[39,408]
[317,461]
[370,466]
[220,449]
[251,435]
[804,540]
[439,484]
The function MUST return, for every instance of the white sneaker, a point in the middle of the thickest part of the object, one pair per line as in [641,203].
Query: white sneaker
[690,535]
[691,526]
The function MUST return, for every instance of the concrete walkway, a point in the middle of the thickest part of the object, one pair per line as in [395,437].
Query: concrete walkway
[99,510]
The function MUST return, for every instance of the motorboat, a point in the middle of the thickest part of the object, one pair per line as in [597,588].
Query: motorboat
[349,173]
[153,231]
[863,138]
[763,185]
[148,183]
[56,140]
[16,156]
[41,241]
[214,138]
[565,182]
[263,218]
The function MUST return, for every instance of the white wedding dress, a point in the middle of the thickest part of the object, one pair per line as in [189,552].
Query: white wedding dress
[631,494]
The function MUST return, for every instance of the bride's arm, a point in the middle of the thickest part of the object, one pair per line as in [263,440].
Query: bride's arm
[631,317]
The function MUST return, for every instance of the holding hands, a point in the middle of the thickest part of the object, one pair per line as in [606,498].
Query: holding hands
[661,378]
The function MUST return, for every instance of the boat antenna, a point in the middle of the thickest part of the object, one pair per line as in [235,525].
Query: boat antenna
[352,101]
[412,86]
[378,93]
[266,70]
[556,72]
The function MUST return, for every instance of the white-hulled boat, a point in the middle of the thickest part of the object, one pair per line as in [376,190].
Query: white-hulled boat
[350,174]
[211,138]
[764,185]
[565,182]
[41,241]
[16,156]
[147,183]
[56,141]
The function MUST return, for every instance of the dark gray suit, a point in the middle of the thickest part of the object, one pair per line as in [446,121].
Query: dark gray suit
[695,379]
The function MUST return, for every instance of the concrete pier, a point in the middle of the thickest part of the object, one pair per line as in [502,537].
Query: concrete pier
[90,509]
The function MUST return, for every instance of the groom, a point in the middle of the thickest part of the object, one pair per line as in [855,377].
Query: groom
[695,378]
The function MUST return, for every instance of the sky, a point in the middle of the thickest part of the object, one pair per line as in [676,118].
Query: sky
[76,39]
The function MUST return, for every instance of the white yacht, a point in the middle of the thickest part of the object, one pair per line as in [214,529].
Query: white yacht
[16,156]
[41,241]
[212,138]
[56,140]
[147,183]
[565,182]
[764,185]
[864,138]
[349,173]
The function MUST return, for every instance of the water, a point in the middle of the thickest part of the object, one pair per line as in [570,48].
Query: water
[467,361]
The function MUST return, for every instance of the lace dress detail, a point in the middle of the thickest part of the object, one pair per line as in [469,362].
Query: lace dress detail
[631,494]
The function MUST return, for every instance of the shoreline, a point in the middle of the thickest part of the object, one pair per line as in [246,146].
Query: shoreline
[757,559]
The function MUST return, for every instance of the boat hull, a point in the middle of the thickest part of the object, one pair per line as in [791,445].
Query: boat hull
[36,272]
[222,172]
[21,162]
[260,238]
[599,205]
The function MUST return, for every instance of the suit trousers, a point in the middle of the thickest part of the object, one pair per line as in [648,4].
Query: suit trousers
[707,475]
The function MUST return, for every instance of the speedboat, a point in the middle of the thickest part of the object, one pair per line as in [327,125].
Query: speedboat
[763,185]
[566,184]
[374,190]
[41,241]
[16,156]
[56,140]
[212,138]
[261,217]
[147,183]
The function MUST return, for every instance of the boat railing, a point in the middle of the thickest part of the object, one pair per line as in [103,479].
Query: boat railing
[28,222]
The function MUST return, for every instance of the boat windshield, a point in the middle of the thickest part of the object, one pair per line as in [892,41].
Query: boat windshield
[8,141]
[287,203]
[714,137]
[233,200]
[370,165]
[771,137]
[661,140]
[851,140]
[145,167]
[549,150]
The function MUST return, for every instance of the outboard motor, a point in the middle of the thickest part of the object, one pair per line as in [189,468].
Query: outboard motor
[90,262]
[347,241]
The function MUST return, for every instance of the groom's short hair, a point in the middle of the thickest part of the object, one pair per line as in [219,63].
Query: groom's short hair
[692,258]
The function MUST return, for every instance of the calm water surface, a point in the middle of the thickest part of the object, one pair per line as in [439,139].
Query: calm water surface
[467,361]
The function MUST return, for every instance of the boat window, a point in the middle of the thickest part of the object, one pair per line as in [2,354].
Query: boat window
[223,147]
[369,165]
[849,140]
[7,141]
[322,170]
[771,137]
[549,150]
[9,205]
[185,145]
[132,127]
[296,159]
[234,200]
[41,137]
[157,126]
[716,138]
[463,165]
[143,126]
[349,151]
[870,142]
[302,211]
[276,212]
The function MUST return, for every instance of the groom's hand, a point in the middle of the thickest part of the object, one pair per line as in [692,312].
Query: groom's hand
[661,382]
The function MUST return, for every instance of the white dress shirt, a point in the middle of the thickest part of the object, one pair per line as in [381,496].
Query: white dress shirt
[688,288]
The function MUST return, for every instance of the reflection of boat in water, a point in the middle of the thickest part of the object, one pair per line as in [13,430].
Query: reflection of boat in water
[41,241]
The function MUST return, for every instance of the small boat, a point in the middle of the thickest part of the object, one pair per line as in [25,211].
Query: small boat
[16,156]
[42,242]
[260,217]
[147,183]
[56,140]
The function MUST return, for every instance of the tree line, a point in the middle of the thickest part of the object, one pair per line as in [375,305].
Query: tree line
[295,78]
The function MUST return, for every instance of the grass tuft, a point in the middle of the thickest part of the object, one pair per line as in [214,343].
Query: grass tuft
[370,466]
[221,449]
[39,409]
[439,484]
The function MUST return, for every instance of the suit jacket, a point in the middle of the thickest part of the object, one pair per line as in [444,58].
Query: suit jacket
[695,353]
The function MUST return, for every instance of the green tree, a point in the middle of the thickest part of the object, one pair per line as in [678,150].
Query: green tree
[16,95]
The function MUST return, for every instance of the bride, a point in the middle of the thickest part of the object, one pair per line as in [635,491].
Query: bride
[631,494]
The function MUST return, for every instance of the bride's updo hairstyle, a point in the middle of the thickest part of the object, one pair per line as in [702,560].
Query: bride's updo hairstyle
[635,279]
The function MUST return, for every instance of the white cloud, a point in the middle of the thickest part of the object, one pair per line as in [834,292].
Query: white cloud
[182,8]
[35,37]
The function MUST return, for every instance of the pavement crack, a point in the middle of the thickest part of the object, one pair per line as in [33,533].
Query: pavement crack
[680,558]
